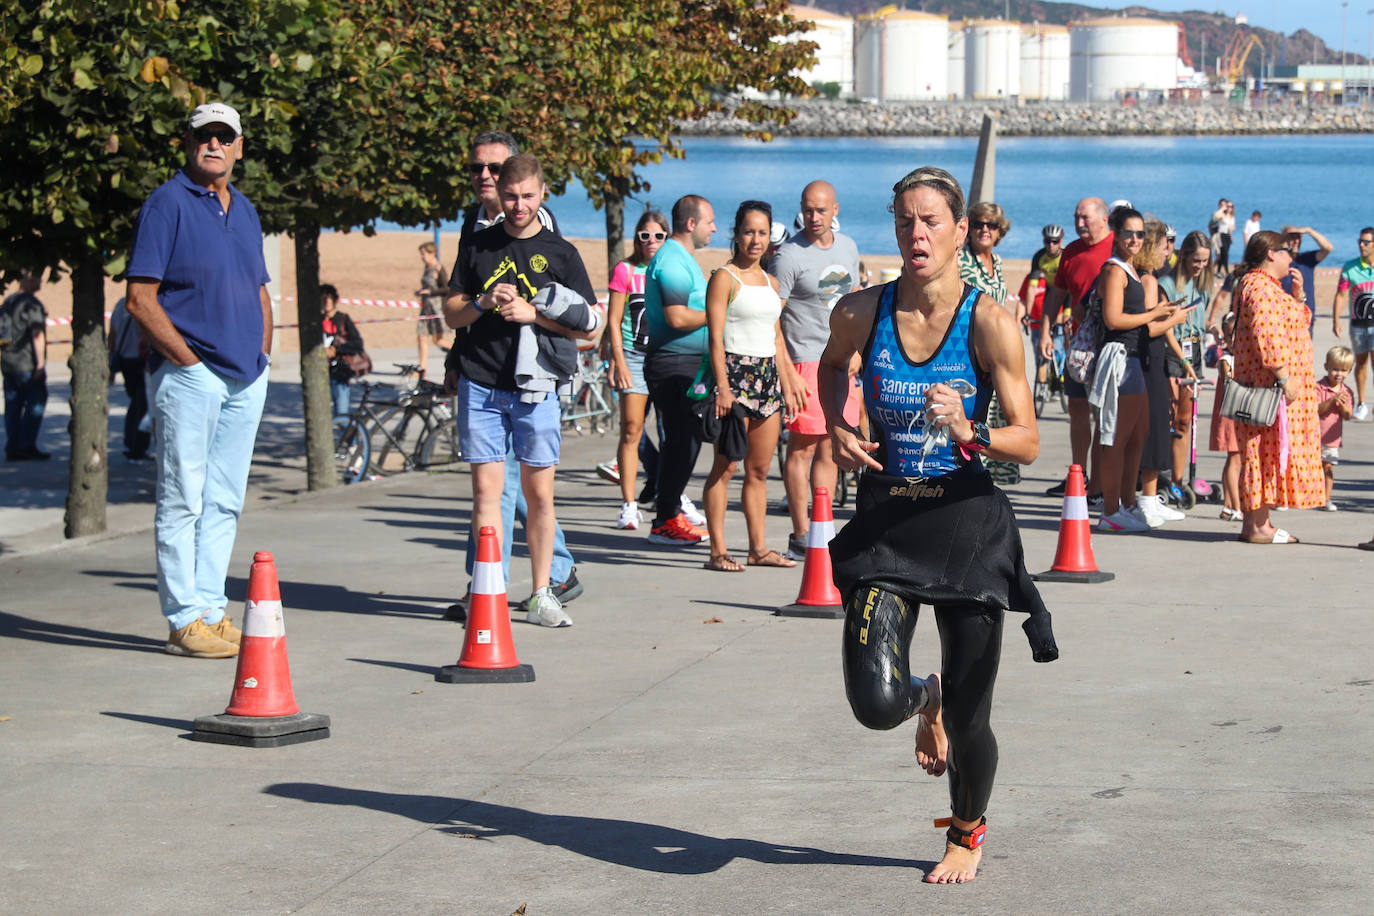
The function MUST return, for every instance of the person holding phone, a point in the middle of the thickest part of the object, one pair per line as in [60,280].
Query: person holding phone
[1158,452]
[1118,390]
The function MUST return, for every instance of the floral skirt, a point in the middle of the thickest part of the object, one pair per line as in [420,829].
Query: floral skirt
[754,382]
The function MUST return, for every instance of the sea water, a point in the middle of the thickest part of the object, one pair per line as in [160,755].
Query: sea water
[1307,180]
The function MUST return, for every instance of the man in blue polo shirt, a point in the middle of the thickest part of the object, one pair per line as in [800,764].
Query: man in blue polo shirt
[197,289]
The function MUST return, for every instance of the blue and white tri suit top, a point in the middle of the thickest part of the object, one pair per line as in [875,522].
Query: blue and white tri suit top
[895,390]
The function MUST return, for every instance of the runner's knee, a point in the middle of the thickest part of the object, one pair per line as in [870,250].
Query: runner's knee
[877,636]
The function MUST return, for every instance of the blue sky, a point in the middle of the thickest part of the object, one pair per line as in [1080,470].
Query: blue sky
[1322,17]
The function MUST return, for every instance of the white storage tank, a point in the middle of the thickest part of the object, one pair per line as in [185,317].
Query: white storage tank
[1044,62]
[955,51]
[1109,56]
[902,56]
[834,36]
[992,59]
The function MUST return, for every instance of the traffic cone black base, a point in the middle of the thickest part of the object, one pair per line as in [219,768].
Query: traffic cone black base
[825,612]
[252,731]
[457,674]
[1054,575]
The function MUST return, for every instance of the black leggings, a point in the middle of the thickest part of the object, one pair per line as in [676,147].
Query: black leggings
[668,376]
[878,627]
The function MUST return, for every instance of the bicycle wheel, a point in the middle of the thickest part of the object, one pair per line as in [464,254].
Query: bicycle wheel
[352,452]
[1041,395]
[439,450]
[400,430]
[1063,396]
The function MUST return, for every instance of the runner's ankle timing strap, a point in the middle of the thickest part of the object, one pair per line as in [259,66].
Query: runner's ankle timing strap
[969,839]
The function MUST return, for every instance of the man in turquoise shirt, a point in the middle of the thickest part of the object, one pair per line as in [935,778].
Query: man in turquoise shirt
[675,309]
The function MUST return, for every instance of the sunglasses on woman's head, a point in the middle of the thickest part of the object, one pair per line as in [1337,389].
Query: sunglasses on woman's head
[651,236]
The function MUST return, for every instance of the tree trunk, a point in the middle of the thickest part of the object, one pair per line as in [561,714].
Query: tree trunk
[88,471]
[320,471]
[615,224]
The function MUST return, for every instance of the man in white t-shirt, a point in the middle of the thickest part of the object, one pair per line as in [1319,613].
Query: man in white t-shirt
[1252,225]
[814,269]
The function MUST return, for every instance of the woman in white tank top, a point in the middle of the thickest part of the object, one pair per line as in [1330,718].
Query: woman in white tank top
[753,376]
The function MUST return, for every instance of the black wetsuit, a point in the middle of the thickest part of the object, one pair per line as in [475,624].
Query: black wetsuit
[949,540]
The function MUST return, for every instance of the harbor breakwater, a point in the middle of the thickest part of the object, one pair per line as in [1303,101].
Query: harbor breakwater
[817,118]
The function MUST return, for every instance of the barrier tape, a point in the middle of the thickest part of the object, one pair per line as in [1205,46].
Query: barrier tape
[372,303]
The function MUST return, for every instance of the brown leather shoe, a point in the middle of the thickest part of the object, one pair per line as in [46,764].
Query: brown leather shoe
[198,641]
[226,630]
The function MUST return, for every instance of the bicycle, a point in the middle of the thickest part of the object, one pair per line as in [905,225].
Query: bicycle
[1053,385]
[353,439]
[418,432]
[593,400]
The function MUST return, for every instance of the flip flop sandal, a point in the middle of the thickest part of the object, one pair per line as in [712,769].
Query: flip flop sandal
[722,562]
[1280,537]
[770,558]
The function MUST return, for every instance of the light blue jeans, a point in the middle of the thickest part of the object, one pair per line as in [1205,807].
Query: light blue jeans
[512,506]
[206,426]
[341,394]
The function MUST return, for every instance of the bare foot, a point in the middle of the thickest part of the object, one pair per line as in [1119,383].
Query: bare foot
[932,747]
[959,866]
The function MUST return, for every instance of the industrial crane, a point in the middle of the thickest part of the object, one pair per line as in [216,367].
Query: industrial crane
[1237,51]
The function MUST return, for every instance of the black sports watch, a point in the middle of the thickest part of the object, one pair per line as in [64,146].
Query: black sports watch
[982,439]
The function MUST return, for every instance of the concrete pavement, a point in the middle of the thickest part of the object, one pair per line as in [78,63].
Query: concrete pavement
[1199,748]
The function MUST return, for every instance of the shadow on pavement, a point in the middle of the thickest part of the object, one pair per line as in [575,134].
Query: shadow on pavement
[15,627]
[185,725]
[430,670]
[633,844]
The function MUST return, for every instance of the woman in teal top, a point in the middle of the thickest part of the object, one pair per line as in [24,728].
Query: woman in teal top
[1191,281]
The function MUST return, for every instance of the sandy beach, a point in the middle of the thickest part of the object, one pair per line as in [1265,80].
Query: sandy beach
[386,268]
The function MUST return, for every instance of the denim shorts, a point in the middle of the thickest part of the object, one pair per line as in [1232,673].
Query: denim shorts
[486,416]
[1362,338]
[634,361]
[1132,378]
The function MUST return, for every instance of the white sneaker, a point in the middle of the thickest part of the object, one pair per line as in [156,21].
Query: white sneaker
[546,610]
[1362,411]
[1145,511]
[690,510]
[1121,522]
[630,516]
[1166,511]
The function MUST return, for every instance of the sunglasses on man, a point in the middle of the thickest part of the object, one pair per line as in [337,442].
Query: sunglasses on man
[225,135]
[477,168]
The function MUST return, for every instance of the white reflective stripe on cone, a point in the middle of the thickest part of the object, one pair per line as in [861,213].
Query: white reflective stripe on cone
[1075,508]
[819,534]
[263,618]
[487,579]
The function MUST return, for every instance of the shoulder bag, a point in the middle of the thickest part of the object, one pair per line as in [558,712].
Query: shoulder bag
[1252,406]
[1087,340]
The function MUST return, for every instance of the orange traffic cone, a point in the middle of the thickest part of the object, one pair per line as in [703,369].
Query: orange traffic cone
[818,597]
[262,710]
[1073,559]
[488,647]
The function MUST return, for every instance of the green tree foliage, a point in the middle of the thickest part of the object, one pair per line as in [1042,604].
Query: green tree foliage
[83,140]
[596,89]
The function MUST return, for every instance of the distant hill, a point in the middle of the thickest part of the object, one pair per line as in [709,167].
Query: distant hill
[1212,29]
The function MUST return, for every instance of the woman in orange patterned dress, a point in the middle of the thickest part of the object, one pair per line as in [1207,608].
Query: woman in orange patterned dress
[1272,347]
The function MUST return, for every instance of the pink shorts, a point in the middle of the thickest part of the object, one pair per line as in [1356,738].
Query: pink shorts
[811,421]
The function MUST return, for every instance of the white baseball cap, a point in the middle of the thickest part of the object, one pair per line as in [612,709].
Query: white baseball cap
[216,112]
